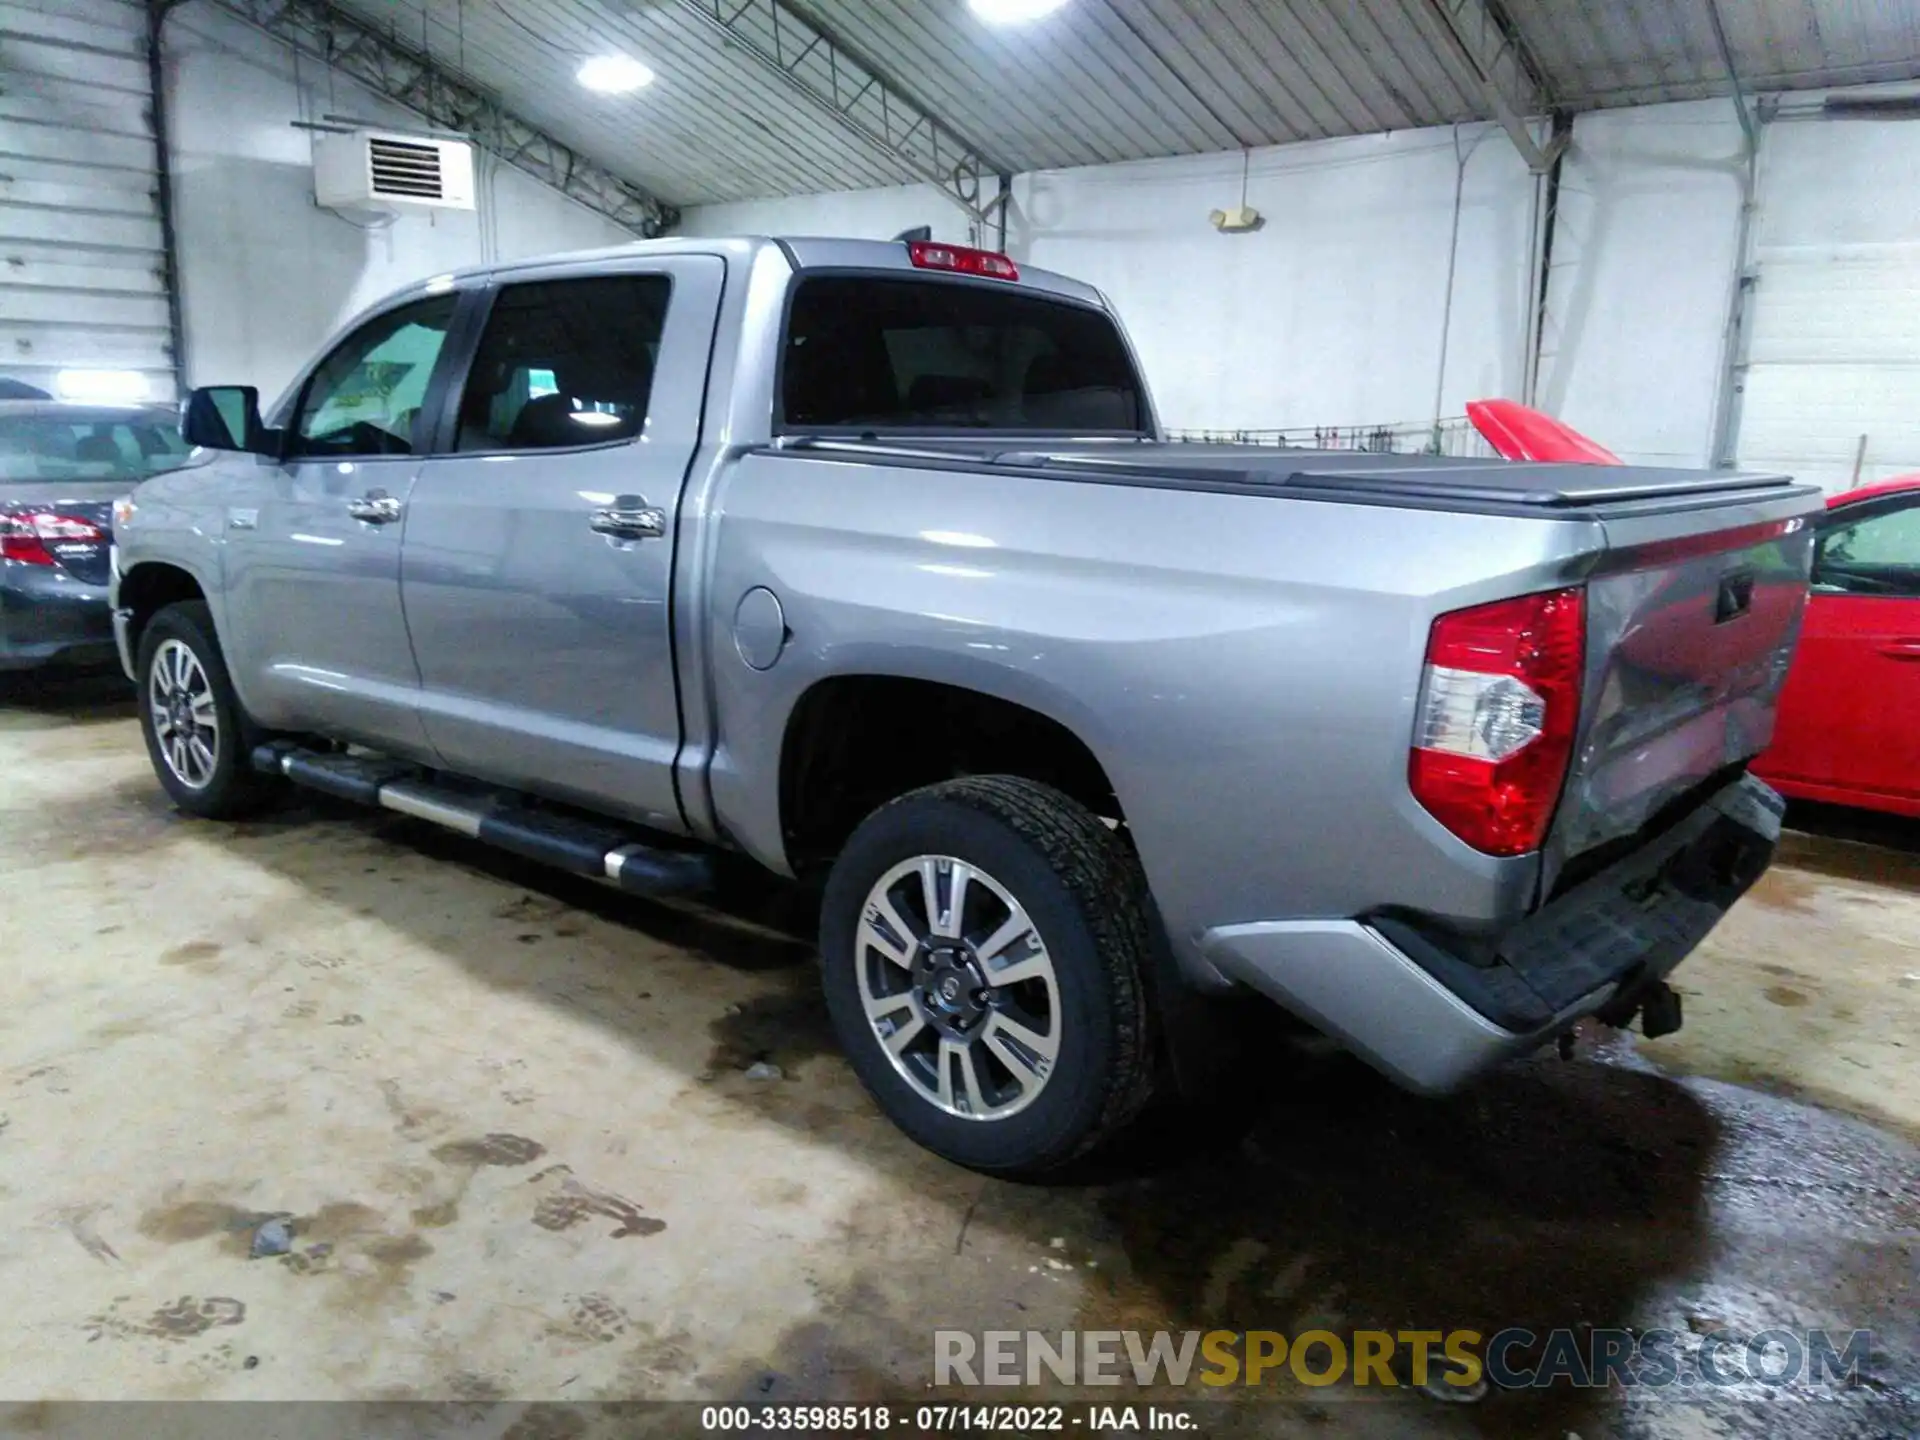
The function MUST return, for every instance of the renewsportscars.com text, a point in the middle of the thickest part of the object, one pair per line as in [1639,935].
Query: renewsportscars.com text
[1511,1359]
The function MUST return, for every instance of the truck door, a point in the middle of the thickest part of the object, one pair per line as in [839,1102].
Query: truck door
[539,546]
[316,636]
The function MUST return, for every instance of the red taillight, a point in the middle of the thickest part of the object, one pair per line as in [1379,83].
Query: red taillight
[926,255]
[25,536]
[1495,728]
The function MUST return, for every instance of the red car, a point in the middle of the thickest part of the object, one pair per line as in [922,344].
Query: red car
[1849,726]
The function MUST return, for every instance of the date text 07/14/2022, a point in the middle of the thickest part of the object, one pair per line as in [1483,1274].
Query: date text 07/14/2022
[946,1418]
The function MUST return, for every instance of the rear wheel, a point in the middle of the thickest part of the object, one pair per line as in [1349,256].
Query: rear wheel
[198,737]
[985,943]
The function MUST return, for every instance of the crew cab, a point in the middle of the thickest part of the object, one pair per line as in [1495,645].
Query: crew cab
[868,561]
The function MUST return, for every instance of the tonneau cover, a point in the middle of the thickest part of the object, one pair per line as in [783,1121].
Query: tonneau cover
[1414,479]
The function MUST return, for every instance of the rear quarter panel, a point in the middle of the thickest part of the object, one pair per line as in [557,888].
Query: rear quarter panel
[1244,667]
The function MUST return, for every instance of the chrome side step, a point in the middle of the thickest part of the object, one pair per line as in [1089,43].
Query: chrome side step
[583,847]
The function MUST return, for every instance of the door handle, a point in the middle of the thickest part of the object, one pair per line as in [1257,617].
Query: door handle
[630,518]
[1900,649]
[376,507]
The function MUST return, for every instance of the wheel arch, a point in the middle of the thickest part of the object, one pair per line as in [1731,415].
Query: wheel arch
[855,739]
[146,588]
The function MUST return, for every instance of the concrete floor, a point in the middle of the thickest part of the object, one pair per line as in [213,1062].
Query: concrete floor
[509,1120]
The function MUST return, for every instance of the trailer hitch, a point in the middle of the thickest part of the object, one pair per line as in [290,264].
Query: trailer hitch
[1654,1001]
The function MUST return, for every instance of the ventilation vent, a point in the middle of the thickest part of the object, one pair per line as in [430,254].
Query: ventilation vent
[403,168]
[370,172]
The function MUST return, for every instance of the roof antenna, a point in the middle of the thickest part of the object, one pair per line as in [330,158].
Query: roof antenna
[919,232]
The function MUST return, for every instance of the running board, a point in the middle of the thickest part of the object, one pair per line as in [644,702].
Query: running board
[578,846]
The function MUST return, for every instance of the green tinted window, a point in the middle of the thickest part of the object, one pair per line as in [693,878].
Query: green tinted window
[1877,554]
[365,398]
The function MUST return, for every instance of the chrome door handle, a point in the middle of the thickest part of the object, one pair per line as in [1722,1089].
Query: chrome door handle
[630,518]
[376,507]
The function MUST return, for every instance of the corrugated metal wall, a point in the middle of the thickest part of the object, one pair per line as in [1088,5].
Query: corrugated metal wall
[81,281]
[1835,348]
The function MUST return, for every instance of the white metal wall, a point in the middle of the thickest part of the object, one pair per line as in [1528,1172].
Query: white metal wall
[1644,250]
[265,275]
[81,280]
[1834,348]
[1333,313]
[1349,306]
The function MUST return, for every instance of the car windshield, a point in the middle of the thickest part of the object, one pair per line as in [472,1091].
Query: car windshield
[84,444]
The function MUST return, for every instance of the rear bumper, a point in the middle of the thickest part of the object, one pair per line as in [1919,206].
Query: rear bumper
[1433,1010]
[49,618]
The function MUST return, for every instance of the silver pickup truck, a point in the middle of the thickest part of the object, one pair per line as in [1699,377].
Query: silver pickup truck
[867,560]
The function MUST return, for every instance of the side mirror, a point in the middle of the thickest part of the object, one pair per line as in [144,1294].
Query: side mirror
[226,417]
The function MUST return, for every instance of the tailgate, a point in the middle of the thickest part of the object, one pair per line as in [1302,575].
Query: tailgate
[1691,622]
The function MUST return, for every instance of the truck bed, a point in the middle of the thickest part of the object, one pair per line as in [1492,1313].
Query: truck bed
[1694,584]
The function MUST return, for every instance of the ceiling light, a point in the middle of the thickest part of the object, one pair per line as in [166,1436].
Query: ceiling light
[613,74]
[1013,12]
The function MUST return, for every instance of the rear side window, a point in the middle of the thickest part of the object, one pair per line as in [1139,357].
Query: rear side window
[865,352]
[565,363]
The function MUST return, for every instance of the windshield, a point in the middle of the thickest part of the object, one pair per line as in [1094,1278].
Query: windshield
[89,445]
[867,352]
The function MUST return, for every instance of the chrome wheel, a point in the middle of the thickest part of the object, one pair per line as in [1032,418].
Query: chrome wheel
[186,725]
[958,987]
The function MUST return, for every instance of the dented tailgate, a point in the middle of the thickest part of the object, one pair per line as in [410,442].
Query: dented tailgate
[1691,623]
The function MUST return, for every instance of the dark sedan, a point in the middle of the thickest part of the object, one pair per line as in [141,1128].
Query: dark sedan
[61,468]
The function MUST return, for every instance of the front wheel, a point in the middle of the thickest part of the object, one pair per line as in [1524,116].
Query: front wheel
[985,943]
[198,737]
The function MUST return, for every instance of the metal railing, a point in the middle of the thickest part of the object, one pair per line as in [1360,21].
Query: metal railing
[1452,436]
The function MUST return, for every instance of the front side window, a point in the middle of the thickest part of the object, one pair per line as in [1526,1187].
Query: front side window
[565,363]
[366,396]
[1875,555]
[866,352]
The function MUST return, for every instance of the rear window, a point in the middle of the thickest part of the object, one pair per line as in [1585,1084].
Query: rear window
[871,353]
[72,444]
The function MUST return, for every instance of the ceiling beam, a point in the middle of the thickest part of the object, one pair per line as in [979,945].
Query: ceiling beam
[1479,35]
[396,70]
[801,53]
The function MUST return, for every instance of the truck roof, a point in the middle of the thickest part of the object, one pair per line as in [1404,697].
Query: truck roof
[805,252]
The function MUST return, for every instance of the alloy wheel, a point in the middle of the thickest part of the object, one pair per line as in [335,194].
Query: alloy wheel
[959,987]
[185,723]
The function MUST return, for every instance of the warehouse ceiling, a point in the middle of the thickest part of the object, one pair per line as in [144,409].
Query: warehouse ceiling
[1100,80]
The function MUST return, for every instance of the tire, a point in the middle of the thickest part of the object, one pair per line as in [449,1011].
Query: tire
[209,774]
[1055,1067]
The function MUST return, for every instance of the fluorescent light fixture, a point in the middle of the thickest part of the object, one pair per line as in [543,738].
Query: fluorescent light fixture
[613,74]
[1013,12]
[594,417]
[116,386]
